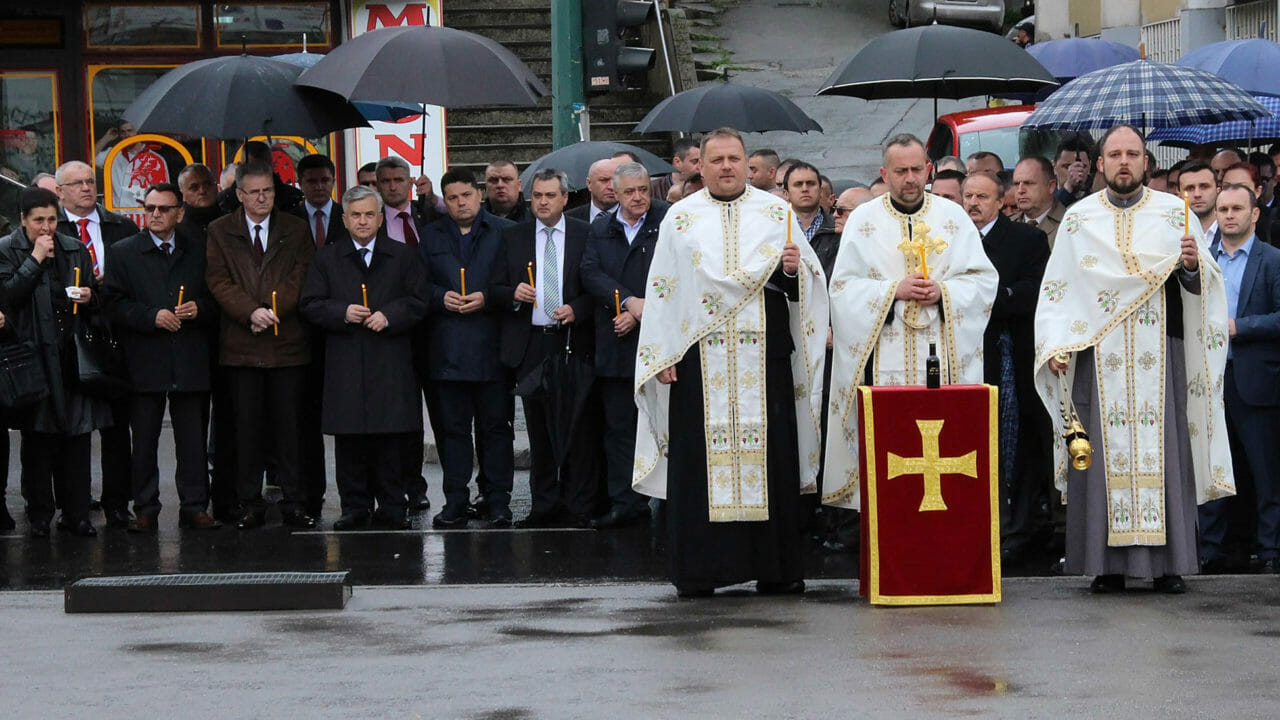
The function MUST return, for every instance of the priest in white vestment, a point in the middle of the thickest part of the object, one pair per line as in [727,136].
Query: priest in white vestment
[729,380]
[1131,328]
[911,271]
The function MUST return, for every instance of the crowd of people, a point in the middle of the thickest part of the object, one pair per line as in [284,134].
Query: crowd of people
[265,316]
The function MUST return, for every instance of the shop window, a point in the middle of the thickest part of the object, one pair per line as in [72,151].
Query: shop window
[132,26]
[138,165]
[272,24]
[29,142]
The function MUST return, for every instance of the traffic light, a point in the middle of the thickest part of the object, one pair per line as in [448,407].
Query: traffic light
[606,57]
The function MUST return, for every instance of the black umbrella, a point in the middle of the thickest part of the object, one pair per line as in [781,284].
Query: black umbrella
[937,61]
[723,104]
[576,159]
[239,96]
[563,382]
[433,65]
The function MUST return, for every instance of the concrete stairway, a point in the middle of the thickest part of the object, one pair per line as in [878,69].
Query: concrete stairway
[523,134]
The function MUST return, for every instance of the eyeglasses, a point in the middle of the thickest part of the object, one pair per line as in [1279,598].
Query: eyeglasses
[87,182]
[837,210]
[159,208]
[258,193]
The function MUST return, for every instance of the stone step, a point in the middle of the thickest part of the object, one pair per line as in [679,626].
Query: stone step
[512,34]
[469,6]
[474,20]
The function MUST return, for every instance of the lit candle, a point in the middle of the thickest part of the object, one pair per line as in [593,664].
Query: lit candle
[464,281]
[364,294]
[181,290]
[276,327]
[75,307]
[617,306]
[535,287]
[1186,218]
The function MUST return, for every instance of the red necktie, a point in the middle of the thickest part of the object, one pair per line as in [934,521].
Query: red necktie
[319,228]
[410,237]
[88,243]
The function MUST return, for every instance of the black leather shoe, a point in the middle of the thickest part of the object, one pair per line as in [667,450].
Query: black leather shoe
[693,591]
[1270,566]
[1216,566]
[117,518]
[450,518]
[249,519]
[478,510]
[795,587]
[39,528]
[6,520]
[391,520]
[1169,585]
[1104,584]
[615,519]
[500,520]
[354,520]
[418,501]
[297,519]
[539,520]
[79,528]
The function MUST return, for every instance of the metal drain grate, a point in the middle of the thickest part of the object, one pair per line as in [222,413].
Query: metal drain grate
[206,592]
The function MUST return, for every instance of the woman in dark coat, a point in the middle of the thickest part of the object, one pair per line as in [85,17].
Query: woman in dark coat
[37,266]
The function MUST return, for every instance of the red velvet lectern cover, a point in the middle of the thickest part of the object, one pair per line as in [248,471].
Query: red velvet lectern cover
[930,518]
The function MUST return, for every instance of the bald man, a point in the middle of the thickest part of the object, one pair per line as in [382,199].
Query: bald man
[600,185]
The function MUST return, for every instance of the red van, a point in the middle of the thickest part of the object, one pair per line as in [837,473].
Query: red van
[996,130]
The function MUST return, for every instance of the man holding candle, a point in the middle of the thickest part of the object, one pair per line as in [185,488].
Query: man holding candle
[473,389]
[157,300]
[615,269]
[911,271]
[257,261]
[367,296]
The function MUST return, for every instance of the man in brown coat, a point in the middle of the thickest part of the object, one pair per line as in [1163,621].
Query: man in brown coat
[258,260]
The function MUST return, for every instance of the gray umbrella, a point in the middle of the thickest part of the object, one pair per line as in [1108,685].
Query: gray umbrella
[576,159]
[238,96]
[433,65]
[723,104]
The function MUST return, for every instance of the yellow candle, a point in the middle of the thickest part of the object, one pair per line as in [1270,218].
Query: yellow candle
[1186,218]
[364,294]
[617,306]
[274,328]
[789,224]
[464,281]
[924,264]
[181,290]
[535,287]
[75,307]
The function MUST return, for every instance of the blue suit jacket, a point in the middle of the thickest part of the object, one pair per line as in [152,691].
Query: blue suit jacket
[463,347]
[608,264]
[1256,347]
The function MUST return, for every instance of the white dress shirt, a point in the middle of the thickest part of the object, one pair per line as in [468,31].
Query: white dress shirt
[95,235]
[542,314]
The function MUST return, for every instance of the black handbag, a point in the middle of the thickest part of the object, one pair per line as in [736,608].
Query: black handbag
[22,378]
[100,366]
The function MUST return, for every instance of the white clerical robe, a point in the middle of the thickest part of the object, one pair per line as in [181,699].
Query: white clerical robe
[879,248]
[1104,288]
[706,285]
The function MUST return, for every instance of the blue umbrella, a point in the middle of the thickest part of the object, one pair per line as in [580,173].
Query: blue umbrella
[1144,94]
[1069,58]
[384,111]
[1263,130]
[1250,64]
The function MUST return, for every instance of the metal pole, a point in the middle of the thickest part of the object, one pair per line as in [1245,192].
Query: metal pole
[666,54]
[566,71]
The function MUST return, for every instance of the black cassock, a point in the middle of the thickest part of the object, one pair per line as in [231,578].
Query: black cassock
[705,554]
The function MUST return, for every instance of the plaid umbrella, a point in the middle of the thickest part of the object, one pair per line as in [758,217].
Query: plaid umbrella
[1253,132]
[1144,94]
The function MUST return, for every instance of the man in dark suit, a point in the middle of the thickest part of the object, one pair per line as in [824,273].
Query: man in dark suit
[405,222]
[81,216]
[1019,253]
[156,296]
[367,296]
[471,385]
[324,218]
[1251,393]
[615,270]
[600,191]
[258,259]
[551,317]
